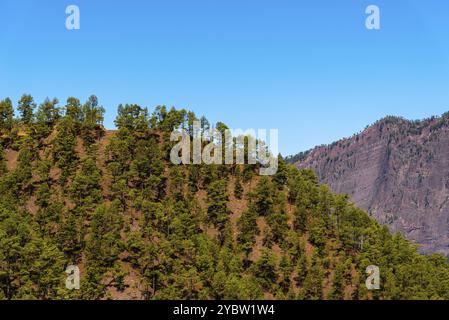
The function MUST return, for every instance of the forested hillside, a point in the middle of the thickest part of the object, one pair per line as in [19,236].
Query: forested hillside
[139,227]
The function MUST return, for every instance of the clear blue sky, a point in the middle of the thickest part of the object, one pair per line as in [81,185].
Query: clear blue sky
[309,68]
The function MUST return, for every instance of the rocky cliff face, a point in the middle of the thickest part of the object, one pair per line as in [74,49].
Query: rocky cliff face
[398,171]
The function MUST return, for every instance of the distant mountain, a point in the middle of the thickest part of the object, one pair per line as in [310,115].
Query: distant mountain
[398,171]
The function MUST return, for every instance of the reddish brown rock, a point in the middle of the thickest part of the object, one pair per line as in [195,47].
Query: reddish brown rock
[398,171]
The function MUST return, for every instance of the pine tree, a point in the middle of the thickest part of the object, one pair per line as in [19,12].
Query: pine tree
[218,212]
[265,270]
[338,283]
[248,230]
[280,177]
[6,115]
[26,107]
[286,269]
[48,112]
[86,189]
[313,286]
[73,110]
[64,153]
[301,266]
[262,197]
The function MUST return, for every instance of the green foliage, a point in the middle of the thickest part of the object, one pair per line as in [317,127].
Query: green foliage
[338,282]
[141,227]
[73,110]
[132,118]
[265,270]
[48,112]
[280,178]
[248,230]
[30,267]
[85,190]
[218,212]
[64,153]
[26,108]
[313,282]
[92,121]
[6,115]
[262,197]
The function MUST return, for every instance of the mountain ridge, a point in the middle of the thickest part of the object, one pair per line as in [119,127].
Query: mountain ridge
[397,170]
